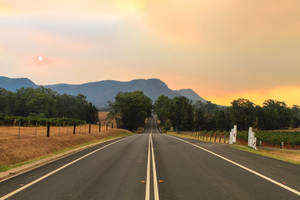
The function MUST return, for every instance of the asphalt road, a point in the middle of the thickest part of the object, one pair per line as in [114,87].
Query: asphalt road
[157,166]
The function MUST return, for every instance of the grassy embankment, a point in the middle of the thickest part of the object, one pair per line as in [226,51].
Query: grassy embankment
[291,156]
[16,152]
[286,155]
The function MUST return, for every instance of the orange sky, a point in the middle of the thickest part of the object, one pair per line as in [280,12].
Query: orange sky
[221,49]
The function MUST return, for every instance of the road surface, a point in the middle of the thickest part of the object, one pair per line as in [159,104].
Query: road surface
[154,166]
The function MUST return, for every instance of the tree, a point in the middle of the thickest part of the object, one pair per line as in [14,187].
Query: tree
[198,118]
[243,113]
[276,115]
[45,102]
[295,112]
[131,109]
[182,114]
[162,108]
[223,121]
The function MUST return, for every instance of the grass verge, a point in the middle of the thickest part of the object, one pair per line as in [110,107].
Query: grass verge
[283,155]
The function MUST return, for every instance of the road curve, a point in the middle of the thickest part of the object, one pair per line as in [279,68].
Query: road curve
[168,167]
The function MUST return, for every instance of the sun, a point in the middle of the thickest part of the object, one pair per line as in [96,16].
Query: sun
[40,58]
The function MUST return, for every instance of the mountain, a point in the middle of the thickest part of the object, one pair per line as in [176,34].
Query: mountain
[101,92]
[190,94]
[13,84]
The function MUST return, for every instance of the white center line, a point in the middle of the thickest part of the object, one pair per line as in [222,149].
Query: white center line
[155,187]
[147,194]
[243,167]
[55,171]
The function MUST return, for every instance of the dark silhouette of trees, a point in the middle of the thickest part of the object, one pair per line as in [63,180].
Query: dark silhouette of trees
[46,103]
[130,109]
[183,115]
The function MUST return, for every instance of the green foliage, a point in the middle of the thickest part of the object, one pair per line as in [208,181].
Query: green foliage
[177,112]
[242,113]
[276,115]
[183,115]
[6,120]
[163,109]
[130,109]
[271,137]
[46,103]
[295,115]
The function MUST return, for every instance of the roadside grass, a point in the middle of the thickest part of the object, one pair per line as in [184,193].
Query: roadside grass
[279,154]
[19,152]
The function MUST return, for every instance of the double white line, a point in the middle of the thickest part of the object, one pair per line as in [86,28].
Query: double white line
[155,184]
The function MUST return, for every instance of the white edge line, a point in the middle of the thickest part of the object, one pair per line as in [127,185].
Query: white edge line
[53,172]
[243,167]
[147,193]
[155,184]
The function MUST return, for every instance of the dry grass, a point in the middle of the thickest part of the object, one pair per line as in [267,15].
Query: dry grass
[103,117]
[15,150]
[291,156]
[11,132]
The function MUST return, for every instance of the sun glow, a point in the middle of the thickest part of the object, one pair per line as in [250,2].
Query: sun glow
[40,58]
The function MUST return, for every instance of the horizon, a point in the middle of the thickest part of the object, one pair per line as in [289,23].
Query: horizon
[260,104]
[221,50]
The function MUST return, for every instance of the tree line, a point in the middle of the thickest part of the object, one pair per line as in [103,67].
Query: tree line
[46,103]
[184,115]
[130,109]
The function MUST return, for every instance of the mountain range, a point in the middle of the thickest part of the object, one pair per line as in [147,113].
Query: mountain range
[99,93]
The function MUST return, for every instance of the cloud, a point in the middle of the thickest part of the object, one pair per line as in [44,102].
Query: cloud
[216,47]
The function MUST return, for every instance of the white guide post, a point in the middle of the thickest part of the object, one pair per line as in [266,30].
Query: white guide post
[232,136]
[251,139]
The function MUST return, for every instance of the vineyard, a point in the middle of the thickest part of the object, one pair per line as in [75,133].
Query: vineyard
[291,139]
[273,137]
[37,121]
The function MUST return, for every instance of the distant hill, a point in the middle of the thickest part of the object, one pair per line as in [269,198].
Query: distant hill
[101,92]
[190,94]
[13,84]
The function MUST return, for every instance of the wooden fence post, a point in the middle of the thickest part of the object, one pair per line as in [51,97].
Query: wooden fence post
[36,124]
[99,127]
[90,127]
[19,129]
[48,129]
[74,129]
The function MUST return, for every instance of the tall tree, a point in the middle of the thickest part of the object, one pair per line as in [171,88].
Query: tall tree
[131,109]
[243,113]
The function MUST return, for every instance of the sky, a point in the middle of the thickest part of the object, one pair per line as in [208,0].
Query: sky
[221,49]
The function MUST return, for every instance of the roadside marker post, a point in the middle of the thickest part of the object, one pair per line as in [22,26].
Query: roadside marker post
[251,139]
[232,136]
